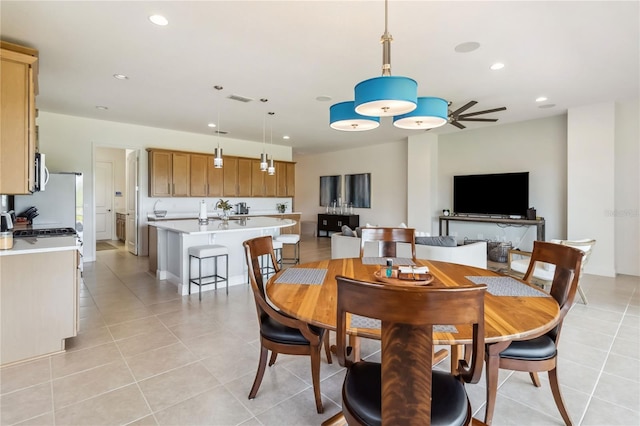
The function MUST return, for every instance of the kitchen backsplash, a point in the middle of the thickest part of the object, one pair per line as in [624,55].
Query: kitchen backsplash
[192,205]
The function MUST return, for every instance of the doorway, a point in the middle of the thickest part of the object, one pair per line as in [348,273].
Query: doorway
[116,197]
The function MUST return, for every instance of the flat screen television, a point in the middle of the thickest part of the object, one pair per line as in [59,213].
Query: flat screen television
[505,194]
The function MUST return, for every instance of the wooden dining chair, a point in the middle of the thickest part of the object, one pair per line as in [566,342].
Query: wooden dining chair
[388,239]
[404,389]
[538,354]
[279,332]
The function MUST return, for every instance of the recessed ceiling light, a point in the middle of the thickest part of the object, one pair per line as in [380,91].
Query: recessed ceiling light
[323,98]
[159,20]
[102,107]
[211,124]
[120,77]
[467,47]
[286,137]
[547,106]
[541,99]
[497,66]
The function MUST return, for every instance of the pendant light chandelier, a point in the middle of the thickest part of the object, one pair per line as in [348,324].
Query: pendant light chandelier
[217,152]
[387,96]
[271,169]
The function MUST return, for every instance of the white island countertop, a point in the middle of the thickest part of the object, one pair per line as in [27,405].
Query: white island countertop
[192,227]
[194,215]
[40,245]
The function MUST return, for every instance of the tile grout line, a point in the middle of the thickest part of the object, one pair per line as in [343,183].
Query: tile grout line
[595,386]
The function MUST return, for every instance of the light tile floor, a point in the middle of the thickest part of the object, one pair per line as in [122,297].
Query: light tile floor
[146,356]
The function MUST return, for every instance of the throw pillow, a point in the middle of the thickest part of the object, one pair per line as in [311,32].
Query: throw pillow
[402,225]
[445,241]
[348,232]
[358,232]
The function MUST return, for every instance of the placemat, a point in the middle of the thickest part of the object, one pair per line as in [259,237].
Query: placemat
[358,321]
[383,261]
[310,276]
[507,286]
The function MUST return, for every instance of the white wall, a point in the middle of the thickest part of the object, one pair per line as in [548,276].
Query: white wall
[387,164]
[535,146]
[627,183]
[422,182]
[70,143]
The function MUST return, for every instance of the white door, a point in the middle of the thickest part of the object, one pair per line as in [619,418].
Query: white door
[104,200]
[132,202]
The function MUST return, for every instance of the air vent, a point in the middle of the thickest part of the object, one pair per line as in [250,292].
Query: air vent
[239,98]
[220,132]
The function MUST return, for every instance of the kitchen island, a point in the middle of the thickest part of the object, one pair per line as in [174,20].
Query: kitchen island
[169,242]
[39,285]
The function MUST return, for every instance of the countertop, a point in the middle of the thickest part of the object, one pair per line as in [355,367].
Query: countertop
[194,215]
[247,222]
[40,245]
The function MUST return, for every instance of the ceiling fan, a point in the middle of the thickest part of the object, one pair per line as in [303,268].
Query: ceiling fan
[455,117]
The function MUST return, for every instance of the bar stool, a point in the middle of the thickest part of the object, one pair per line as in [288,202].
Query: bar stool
[293,239]
[201,253]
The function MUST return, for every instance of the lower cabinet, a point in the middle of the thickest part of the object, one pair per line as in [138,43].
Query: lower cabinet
[39,304]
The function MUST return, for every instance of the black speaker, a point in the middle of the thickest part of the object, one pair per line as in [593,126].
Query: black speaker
[531,214]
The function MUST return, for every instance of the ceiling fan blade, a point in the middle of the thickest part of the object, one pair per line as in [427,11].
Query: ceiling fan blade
[486,111]
[458,125]
[463,108]
[477,119]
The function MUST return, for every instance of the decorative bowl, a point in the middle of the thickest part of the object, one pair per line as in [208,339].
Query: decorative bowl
[160,213]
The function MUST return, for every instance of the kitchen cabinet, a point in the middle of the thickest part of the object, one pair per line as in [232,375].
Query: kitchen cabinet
[169,173]
[17,114]
[121,226]
[198,175]
[215,179]
[262,183]
[237,177]
[39,305]
[286,179]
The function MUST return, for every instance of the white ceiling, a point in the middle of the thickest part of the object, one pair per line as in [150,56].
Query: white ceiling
[290,52]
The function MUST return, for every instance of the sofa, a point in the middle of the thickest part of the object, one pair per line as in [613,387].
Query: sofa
[474,254]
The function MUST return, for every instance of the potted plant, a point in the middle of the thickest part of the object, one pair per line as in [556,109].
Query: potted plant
[225,206]
[281,207]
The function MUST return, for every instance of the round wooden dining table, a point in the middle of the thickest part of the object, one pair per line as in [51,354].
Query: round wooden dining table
[507,317]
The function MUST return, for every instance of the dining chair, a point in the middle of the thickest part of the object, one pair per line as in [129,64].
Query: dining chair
[279,332]
[388,239]
[404,389]
[538,354]
[518,262]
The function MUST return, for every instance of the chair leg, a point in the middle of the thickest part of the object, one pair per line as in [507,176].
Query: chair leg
[315,376]
[327,347]
[260,373]
[335,420]
[535,379]
[582,295]
[272,360]
[557,396]
[491,373]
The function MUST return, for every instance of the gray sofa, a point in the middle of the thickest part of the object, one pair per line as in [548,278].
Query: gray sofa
[474,254]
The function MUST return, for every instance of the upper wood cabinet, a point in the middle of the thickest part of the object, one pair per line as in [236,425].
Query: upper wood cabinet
[237,177]
[18,81]
[192,174]
[286,179]
[262,183]
[169,174]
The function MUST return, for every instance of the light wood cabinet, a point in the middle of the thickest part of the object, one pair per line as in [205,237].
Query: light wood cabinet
[169,174]
[237,177]
[39,306]
[262,183]
[285,179]
[215,179]
[18,81]
[198,179]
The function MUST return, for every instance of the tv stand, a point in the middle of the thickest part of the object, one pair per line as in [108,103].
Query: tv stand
[538,223]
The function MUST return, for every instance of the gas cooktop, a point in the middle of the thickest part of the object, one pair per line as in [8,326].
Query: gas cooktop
[47,232]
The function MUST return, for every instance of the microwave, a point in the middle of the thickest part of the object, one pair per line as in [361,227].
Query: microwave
[42,173]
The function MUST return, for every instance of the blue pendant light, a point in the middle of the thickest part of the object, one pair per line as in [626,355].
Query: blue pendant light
[430,113]
[343,117]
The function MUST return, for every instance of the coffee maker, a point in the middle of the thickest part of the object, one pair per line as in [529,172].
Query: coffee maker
[241,208]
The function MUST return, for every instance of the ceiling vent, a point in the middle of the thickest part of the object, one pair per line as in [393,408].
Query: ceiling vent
[220,132]
[239,98]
